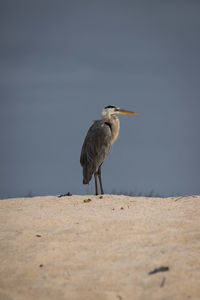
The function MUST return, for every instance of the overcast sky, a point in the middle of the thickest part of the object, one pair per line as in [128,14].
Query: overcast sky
[63,61]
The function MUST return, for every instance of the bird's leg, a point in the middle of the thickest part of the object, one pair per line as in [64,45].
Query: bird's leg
[96,186]
[99,175]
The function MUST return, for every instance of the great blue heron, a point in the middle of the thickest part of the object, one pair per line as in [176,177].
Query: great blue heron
[101,135]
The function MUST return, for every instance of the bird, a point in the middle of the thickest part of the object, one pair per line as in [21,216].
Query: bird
[96,146]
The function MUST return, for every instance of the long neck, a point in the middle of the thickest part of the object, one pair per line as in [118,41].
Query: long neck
[115,125]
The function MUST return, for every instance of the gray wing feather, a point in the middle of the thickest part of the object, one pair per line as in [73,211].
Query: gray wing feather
[95,148]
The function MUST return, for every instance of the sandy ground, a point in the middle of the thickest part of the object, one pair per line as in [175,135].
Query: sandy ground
[64,248]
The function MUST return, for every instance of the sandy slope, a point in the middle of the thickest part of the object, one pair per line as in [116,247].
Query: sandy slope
[63,248]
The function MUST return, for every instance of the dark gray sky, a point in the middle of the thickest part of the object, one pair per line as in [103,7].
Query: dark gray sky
[63,61]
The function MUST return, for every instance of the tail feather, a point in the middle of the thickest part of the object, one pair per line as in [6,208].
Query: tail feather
[87,174]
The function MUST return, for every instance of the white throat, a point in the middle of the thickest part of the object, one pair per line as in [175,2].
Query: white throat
[114,122]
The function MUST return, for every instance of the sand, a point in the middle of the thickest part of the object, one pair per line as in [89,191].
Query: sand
[64,248]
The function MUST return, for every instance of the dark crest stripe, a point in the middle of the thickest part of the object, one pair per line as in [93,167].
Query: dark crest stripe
[110,106]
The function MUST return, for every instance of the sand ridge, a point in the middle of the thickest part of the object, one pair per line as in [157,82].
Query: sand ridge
[65,248]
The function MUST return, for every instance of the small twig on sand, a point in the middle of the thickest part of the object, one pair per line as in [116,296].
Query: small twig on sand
[162,282]
[193,196]
[161,269]
[179,198]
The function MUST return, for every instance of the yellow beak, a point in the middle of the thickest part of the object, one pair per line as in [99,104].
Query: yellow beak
[127,112]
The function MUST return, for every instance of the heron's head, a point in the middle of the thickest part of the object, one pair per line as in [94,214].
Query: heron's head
[110,110]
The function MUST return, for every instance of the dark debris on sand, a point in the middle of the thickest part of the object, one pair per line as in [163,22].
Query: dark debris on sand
[64,195]
[161,269]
